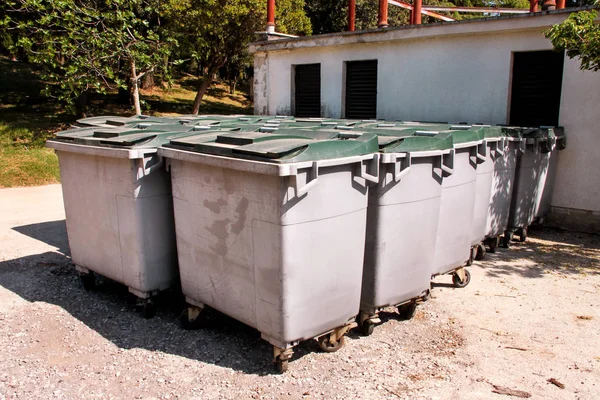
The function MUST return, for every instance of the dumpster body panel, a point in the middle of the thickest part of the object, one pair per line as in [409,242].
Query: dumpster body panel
[119,218]
[502,188]
[288,265]
[401,233]
[454,237]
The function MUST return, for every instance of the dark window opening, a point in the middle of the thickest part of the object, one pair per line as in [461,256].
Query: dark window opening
[536,88]
[307,87]
[361,89]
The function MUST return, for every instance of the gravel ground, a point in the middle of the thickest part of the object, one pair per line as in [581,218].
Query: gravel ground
[529,315]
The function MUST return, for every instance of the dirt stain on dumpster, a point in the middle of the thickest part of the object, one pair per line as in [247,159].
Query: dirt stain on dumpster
[241,210]
[219,231]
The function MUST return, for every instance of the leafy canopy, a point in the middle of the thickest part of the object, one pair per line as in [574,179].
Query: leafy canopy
[579,35]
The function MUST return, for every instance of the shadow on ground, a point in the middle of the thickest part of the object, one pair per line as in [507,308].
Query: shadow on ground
[51,278]
[546,251]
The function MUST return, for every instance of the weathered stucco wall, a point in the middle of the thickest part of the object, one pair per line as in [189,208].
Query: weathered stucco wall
[453,72]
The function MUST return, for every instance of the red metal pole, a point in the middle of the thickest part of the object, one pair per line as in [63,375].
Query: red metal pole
[417,12]
[351,14]
[383,14]
[533,6]
[270,16]
[560,4]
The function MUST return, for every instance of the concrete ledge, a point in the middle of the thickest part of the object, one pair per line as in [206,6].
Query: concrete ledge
[574,219]
[504,23]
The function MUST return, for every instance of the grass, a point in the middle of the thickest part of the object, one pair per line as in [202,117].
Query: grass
[27,118]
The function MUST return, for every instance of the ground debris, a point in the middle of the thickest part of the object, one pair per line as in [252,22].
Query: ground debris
[556,383]
[510,392]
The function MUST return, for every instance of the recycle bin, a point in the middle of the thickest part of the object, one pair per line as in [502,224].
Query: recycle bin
[271,231]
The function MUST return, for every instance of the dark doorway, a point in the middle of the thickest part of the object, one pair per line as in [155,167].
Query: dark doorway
[536,88]
[361,89]
[307,87]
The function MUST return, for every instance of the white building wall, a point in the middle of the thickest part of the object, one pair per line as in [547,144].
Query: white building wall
[462,76]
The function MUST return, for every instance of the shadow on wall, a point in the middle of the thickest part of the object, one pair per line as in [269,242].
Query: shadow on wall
[547,251]
[51,278]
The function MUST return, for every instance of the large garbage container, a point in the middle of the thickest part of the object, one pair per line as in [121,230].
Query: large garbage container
[554,146]
[454,237]
[118,207]
[531,178]
[402,223]
[271,231]
[504,156]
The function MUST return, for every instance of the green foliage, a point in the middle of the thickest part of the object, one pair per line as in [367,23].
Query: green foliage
[83,45]
[579,35]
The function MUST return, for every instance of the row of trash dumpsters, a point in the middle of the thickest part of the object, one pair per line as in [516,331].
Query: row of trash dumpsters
[300,228]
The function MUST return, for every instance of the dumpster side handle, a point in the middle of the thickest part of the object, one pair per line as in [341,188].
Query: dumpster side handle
[363,170]
[402,168]
[481,152]
[312,174]
[448,163]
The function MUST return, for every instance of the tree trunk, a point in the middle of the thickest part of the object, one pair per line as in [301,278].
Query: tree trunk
[135,89]
[232,85]
[204,85]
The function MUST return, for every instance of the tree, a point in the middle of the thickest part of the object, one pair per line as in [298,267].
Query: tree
[579,35]
[215,32]
[82,45]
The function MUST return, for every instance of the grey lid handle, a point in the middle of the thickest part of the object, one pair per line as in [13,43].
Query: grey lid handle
[313,174]
[402,167]
[147,171]
[501,146]
[363,170]
[481,152]
[448,162]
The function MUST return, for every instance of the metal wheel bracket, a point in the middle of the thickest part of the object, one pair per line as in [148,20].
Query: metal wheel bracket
[282,354]
[82,270]
[460,272]
[193,312]
[374,318]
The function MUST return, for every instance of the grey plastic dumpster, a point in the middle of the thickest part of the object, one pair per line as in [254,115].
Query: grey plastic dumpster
[454,237]
[118,206]
[532,175]
[271,231]
[554,146]
[504,157]
[402,223]
[492,145]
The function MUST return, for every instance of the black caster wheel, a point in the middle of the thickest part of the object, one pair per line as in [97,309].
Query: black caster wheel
[367,327]
[281,365]
[407,311]
[480,252]
[522,235]
[458,282]
[88,281]
[185,323]
[149,309]
[328,347]
[493,245]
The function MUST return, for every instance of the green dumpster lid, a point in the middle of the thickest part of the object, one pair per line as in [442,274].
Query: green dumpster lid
[151,137]
[463,136]
[415,143]
[288,150]
[296,147]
